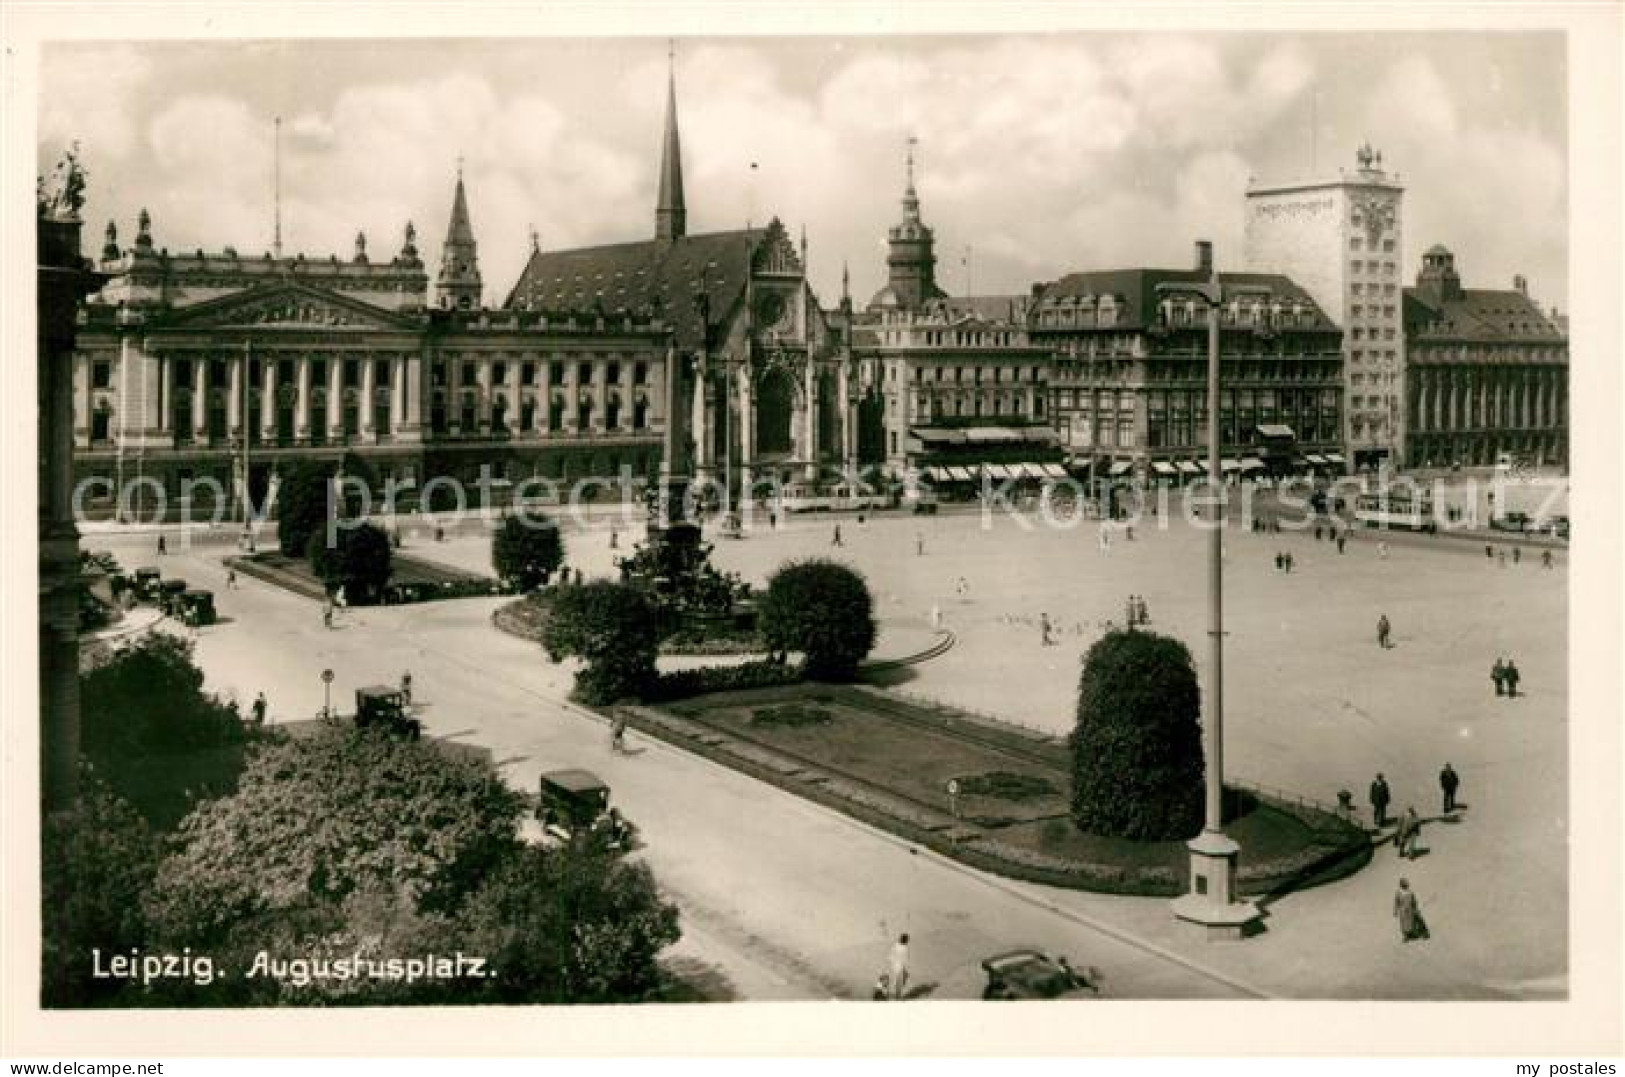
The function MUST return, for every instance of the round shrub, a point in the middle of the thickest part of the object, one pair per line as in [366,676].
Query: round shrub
[824,610]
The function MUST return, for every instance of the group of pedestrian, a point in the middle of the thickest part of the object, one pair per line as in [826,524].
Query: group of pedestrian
[1506,677]
[1283,562]
[1137,613]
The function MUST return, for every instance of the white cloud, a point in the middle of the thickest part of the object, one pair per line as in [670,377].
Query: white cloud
[92,94]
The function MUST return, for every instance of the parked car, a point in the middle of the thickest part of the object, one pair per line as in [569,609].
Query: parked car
[169,596]
[570,800]
[146,584]
[1032,974]
[1510,521]
[382,705]
[196,608]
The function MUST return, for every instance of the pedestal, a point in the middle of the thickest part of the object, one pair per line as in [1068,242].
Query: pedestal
[1211,904]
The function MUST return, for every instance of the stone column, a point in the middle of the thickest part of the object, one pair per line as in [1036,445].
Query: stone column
[369,386]
[301,406]
[166,394]
[843,388]
[747,425]
[397,396]
[335,399]
[572,396]
[809,439]
[82,368]
[544,394]
[482,406]
[234,401]
[200,399]
[268,401]
[516,406]
[628,403]
[414,384]
[600,395]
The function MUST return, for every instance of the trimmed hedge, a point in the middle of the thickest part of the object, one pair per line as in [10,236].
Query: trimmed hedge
[684,683]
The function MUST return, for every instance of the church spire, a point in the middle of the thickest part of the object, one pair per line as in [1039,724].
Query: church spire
[671,215]
[459,282]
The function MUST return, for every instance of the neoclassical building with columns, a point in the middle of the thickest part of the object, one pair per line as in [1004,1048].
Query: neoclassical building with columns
[1486,373]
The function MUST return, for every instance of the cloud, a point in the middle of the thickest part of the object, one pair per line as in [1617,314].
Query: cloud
[91,93]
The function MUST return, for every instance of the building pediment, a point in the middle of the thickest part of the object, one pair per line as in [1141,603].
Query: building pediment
[290,306]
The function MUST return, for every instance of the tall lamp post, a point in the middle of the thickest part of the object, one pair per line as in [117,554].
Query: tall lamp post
[1211,902]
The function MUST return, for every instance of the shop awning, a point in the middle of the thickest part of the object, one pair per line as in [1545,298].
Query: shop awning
[1314,458]
[1251,463]
[996,471]
[935,474]
[1334,458]
[1120,466]
[1188,468]
[938,435]
[960,474]
[1229,465]
[1163,467]
[1055,471]
[1275,430]
[982,435]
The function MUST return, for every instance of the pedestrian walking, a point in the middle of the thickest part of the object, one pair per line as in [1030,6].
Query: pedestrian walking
[406,687]
[1046,638]
[1380,798]
[231,579]
[1280,561]
[1128,532]
[1145,616]
[1546,559]
[1501,558]
[1489,551]
[614,539]
[1286,562]
[1384,631]
[1449,782]
[936,616]
[919,544]
[327,613]
[897,967]
[1410,829]
[1512,677]
[1409,913]
[1498,674]
[1317,532]
[162,548]
[1382,551]
[836,541]
[1517,554]
[617,734]
[259,708]
[1341,539]
[962,587]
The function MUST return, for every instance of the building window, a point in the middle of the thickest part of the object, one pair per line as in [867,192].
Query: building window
[469,374]
[555,373]
[101,375]
[382,374]
[527,376]
[499,373]
[614,374]
[584,373]
[640,373]
[101,421]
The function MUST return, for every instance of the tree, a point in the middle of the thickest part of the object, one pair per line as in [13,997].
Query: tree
[1137,748]
[527,549]
[614,629]
[147,699]
[302,505]
[358,561]
[824,610]
[572,924]
[319,818]
[97,863]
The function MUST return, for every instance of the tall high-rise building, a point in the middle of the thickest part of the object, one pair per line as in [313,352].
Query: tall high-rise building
[1341,238]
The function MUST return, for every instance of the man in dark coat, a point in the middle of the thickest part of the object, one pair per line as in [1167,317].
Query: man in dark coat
[1449,782]
[1498,674]
[1512,677]
[1383,631]
[1380,798]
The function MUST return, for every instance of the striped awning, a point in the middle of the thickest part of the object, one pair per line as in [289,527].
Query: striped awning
[935,474]
[961,474]
[1120,466]
[1055,471]
[1188,468]
[997,471]
[1251,463]
[1163,467]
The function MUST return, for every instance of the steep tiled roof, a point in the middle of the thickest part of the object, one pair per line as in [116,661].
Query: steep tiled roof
[1476,314]
[654,278]
[1136,291]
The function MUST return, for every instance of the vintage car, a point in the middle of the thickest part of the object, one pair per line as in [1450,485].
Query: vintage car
[570,800]
[381,705]
[145,584]
[169,596]
[196,608]
[1032,974]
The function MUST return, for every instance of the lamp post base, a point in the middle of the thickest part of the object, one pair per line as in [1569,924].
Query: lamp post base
[1211,904]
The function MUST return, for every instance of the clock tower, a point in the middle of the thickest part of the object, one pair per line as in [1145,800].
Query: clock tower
[911,260]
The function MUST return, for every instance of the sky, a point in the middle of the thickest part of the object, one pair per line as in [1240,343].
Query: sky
[1037,155]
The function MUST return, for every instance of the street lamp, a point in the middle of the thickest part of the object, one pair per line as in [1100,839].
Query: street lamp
[327,693]
[1211,901]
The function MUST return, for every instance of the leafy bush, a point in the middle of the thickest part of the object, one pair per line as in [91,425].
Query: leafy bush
[791,714]
[1006,785]
[527,550]
[358,561]
[97,863]
[146,699]
[317,819]
[301,508]
[823,609]
[1137,747]
[613,628]
[683,683]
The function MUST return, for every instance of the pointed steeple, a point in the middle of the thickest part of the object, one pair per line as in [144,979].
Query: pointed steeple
[671,214]
[459,282]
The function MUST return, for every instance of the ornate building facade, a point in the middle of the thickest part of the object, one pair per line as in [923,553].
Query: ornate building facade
[772,396]
[1129,387]
[1341,239]
[1487,373]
